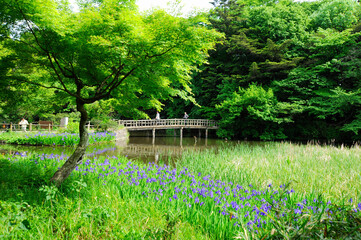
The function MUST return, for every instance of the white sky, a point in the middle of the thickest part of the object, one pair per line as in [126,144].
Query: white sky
[188,5]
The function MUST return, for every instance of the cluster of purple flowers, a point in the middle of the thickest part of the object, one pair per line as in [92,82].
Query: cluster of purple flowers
[243,205]
[239,205]
[65,139]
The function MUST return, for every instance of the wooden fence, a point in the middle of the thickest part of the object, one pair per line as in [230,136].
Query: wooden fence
[37,126]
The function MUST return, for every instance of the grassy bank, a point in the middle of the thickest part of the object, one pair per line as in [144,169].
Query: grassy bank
[220,194]
[53,139]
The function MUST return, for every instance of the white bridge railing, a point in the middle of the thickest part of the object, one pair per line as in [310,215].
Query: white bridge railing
[168,123]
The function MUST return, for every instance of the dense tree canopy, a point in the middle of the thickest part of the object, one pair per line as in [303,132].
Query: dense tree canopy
[286,70]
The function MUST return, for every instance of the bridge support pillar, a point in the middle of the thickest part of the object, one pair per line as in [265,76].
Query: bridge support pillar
[199,133]
[153,132]
[181,136]
[206,133]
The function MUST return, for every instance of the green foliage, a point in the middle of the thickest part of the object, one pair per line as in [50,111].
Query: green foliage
[72,127]
[354,126]
[337,14]
[279,22]
[253,112]
[306,53]
[300,85]
[328,44]
[50,192]
[105,124]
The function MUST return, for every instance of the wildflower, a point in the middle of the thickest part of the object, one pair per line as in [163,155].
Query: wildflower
[298,211]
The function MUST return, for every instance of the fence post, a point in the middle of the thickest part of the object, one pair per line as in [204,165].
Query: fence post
[88,125]
[11,127]
[30,127]
[49,126]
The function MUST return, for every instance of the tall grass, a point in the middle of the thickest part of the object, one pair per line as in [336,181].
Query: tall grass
[334,172]
[214,194]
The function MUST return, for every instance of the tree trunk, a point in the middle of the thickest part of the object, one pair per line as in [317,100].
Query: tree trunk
[77,156]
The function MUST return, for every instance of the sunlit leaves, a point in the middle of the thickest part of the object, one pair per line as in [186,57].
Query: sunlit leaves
[338,14]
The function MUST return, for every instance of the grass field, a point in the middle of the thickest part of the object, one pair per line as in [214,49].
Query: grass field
[236,191]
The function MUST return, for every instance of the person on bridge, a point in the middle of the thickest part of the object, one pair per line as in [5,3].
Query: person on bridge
[185,115]
[157,116]
[23,123]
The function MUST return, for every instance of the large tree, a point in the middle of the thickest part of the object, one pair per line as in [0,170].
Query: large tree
[106,49]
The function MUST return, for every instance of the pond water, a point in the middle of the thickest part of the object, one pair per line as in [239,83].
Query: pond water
[167,149]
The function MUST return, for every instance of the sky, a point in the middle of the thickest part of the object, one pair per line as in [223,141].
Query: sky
[189,5]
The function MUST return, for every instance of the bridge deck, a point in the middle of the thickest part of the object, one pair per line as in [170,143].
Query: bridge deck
[134,125]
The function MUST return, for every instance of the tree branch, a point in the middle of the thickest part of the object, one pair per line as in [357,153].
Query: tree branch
[165,52]
[41,85]
[115,71]
[110,88]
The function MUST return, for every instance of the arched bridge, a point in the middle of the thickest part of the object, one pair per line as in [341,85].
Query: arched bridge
[134,125]
[138,125]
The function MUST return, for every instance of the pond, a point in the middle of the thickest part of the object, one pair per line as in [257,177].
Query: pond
[167,149]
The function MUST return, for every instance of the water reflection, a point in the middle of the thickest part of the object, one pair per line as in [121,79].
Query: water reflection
[165,149]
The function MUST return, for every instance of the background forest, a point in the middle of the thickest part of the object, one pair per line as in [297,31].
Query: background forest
[284,70]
